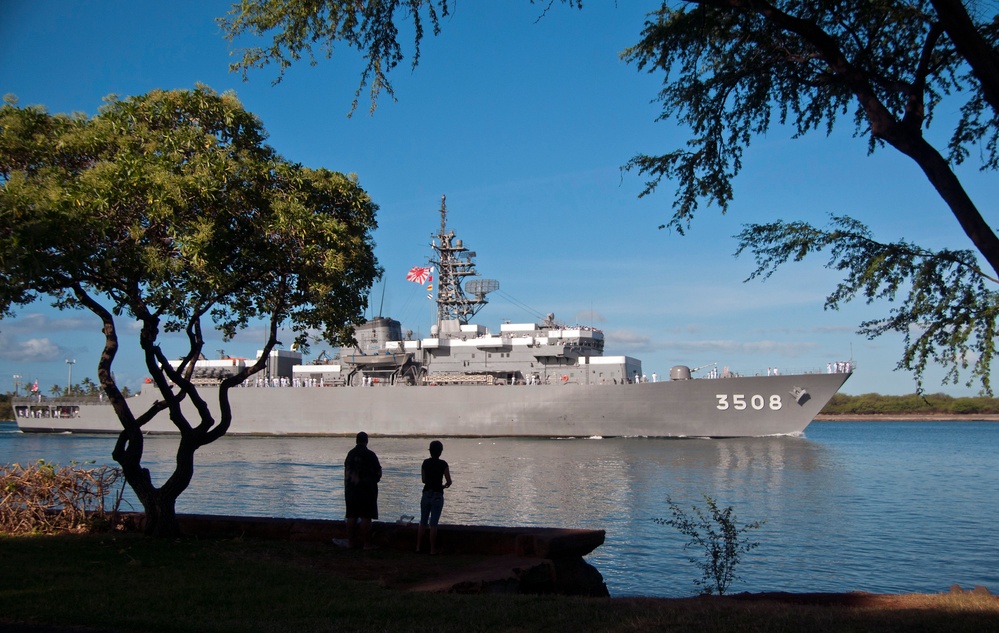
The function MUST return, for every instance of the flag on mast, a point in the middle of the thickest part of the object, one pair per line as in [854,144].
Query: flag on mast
[420,274]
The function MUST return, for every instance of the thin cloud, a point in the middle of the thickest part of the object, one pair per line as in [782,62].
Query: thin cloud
[30,350]
[34,322]
[590,316]
[835,329]
[628,341]
[786,349]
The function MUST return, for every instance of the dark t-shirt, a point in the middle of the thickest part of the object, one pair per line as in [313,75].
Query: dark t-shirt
[361,468]
[361,474]
[433,474]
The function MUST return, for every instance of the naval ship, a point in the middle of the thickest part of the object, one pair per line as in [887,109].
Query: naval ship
[543,378]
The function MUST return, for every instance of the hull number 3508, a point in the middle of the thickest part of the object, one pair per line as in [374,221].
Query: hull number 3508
[740,402]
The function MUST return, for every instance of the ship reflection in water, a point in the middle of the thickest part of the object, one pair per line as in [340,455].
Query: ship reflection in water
[890,508]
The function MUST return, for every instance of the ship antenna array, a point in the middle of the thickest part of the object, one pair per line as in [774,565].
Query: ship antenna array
[455,263]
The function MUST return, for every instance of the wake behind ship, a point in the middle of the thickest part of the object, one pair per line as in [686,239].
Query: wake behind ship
[542,379]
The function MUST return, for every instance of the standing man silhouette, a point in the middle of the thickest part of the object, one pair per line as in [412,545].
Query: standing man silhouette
[361,474]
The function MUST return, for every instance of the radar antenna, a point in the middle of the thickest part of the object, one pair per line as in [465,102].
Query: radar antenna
[455,263]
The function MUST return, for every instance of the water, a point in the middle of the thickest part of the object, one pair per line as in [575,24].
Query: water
[880,507]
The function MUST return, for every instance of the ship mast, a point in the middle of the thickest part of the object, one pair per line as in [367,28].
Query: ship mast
[455,263]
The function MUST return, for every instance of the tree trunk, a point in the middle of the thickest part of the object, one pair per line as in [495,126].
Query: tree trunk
[972,46]
[161,517]
[947,184]
[158,504]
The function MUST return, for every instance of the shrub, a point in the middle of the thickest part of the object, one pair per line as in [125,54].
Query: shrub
[44,498]
[723,542]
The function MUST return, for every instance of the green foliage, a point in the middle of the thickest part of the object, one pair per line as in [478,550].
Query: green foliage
[716,532]
[943,308]
[171,206]
[732,70]
[370,28]
[87,387]
[174,208]
[169,209]
[912,404]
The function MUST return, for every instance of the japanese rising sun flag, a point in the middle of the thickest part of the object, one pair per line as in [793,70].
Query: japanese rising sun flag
[420,275]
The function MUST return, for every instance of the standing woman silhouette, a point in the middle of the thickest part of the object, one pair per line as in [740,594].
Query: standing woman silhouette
[436,477]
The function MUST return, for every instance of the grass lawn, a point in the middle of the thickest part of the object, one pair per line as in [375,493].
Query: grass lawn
[126,582]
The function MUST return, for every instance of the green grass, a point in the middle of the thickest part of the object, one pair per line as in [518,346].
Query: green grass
[131,583]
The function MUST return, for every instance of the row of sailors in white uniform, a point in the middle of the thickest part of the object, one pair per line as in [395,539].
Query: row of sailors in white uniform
[296,382]
[282,382]
[839,367]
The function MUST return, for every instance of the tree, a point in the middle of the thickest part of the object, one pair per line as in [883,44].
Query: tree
[6,407]
[734,69]
[87,387]
[168,208]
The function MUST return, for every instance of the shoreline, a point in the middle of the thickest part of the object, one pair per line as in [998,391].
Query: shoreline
[905,417]
[866,417]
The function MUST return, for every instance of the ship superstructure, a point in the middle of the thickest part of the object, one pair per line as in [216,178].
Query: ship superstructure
[459,352]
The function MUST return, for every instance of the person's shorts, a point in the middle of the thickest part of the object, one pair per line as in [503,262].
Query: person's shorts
[361,502]
[431,506]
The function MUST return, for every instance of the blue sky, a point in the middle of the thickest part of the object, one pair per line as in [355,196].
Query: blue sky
[524,124]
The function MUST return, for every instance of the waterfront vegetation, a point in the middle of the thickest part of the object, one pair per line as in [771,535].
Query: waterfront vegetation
[46,498]
[127,582]
[721,541]
[912,404]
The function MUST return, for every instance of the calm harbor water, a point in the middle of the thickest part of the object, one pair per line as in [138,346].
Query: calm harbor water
[880,507]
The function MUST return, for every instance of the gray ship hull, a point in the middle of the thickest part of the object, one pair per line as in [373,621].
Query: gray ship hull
[723,407]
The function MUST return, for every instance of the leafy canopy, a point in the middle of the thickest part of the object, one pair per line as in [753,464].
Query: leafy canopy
[733,69]
[168,208]
[946,307]
[301,28]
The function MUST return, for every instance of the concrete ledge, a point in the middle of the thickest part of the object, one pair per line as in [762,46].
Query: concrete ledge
[531,542]
[515,559]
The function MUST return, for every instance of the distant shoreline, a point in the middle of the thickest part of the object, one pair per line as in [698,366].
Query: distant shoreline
[906,417]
